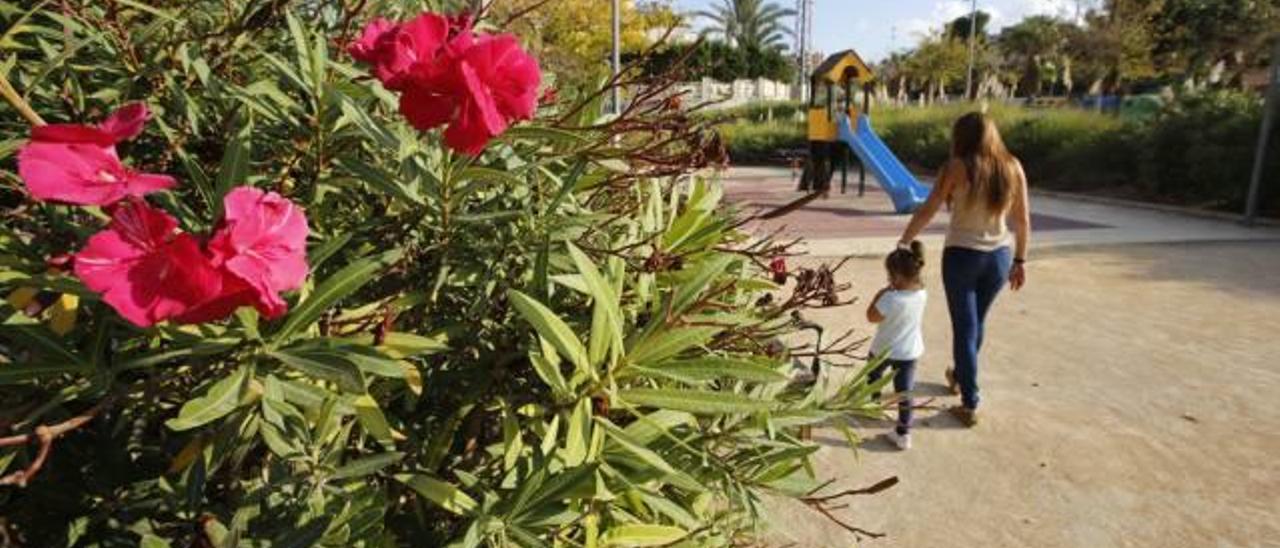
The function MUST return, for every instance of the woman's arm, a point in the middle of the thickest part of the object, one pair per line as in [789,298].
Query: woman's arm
[1020,216]
[938,196]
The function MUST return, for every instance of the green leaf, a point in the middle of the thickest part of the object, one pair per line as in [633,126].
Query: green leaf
[324,366]
[648,456]
[642,535]
[575,444]
[234,169]
[444,495]
[152,541]
[553,329]
[606,317]
[548,372]
[693,401]
[220,399]
[340,285]
[40,340]
[365,466]
[490,175]
[708,270]
[710,368]
[661,345]
[373,421]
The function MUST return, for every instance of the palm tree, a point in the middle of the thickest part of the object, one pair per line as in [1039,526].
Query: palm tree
[749,23]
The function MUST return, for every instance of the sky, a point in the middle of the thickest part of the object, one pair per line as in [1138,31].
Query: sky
[874,28]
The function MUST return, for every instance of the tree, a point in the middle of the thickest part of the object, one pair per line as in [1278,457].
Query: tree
[1191,37]
[1037,45]
[1113,48]
[959,28]
[720,61]
[754,24]
[937,62]
[572,38]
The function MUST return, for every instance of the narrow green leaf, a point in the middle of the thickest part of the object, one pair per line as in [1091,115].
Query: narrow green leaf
[548,372]
[552,328]
[365,466]
[575,443]
[693,401]
[40,340]
[373,421]
[340,285]
[234,169]
[221,398]
[709,368]
[606,317]
[642,535]
[660,345]
[444,495]
[648,456]
[707,270]
[323,366]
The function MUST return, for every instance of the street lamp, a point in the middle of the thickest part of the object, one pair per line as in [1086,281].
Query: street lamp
[973,31]
[1268,118]
[617,57]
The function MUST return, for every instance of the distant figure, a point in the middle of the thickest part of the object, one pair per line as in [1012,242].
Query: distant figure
[898,310]
[986,189]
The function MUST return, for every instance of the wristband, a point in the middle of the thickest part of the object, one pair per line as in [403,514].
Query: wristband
[1019,261]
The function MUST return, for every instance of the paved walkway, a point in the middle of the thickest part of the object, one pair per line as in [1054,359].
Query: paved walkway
[845,224]
[1130,390]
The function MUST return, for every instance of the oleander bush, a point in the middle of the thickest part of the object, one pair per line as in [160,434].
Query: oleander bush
[308,273]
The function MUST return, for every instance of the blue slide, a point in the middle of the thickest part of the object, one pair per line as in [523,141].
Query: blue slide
[906,192]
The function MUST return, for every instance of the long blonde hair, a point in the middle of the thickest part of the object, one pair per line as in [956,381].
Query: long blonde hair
[992,170]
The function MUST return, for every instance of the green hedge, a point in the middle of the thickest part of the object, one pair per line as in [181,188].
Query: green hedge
[1198,151]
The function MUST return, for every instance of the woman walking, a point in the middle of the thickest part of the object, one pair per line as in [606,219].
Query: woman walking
[987,192]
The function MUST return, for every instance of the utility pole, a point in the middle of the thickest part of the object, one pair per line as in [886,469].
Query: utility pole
[973,32]
[617,57]
[1268,119]
[804,45]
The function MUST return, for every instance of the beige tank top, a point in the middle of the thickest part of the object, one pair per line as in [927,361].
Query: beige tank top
[973,226]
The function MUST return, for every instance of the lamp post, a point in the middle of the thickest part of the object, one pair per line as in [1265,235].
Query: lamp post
[617,57]
[1268,119]
[973,32]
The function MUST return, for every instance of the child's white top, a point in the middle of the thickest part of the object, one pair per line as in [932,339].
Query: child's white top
[899,332]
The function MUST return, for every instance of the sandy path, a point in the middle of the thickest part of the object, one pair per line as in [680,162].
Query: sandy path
[1131,398]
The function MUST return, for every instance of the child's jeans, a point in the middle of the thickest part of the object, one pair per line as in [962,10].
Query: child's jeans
[903,381]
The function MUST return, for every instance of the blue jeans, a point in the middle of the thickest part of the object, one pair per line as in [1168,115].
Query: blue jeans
[972,279]
[904,373]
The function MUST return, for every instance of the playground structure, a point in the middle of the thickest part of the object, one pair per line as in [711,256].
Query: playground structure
[832,135]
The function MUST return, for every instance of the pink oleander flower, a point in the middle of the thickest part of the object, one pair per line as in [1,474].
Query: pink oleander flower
[498,84]
[144,268]
[393,49]
[447,74]
[261,247]
[121,125]
[490,83]
[77,164]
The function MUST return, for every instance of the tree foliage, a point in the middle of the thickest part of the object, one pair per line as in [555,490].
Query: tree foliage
[750,24]
[562,342]
[723,62]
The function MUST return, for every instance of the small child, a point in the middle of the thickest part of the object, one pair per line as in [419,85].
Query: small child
[898,311]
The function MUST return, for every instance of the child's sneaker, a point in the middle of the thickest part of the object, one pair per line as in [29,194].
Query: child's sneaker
[901,441]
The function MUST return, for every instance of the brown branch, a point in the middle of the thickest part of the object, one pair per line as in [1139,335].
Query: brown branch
[45,434]
[878,487]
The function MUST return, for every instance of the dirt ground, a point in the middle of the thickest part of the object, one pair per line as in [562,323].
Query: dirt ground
[1131,398]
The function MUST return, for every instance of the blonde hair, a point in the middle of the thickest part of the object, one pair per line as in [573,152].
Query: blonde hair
[991,169]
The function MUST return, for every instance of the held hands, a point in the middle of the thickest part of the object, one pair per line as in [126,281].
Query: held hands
[1017,276]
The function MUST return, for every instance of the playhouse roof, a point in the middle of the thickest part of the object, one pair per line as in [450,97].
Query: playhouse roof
[833,68]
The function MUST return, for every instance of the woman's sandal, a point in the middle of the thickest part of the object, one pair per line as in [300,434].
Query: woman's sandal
[952,385]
